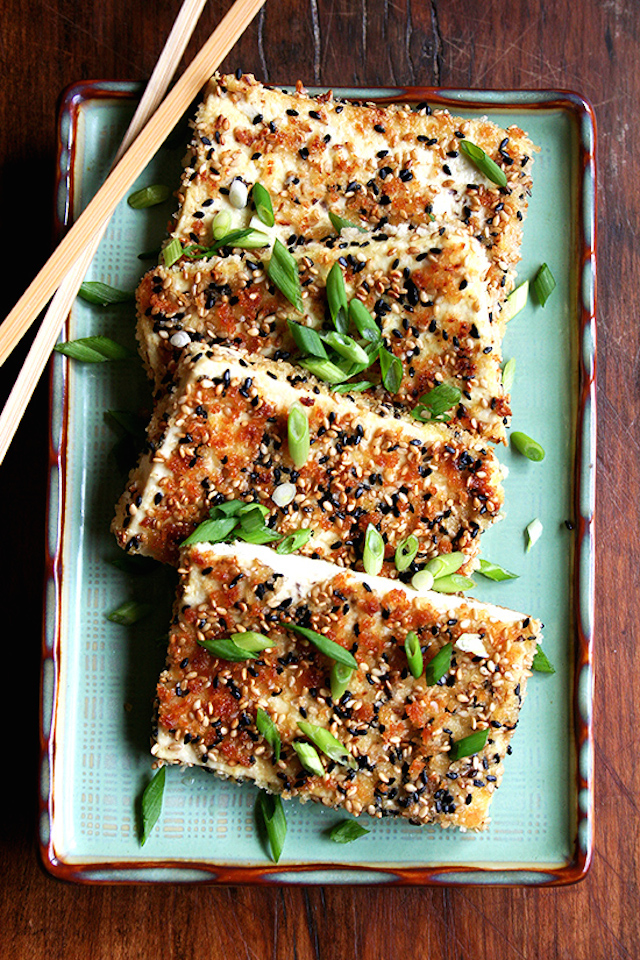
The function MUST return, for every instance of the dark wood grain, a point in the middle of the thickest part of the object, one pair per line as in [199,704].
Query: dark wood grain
[590,46]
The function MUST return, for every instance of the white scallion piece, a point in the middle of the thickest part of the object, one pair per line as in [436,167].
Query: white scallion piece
[238,194]
[533,533]
[283,494]
[516,301]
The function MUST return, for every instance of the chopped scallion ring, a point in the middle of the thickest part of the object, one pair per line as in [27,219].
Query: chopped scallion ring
[172,252]
[149,196]
[373,554]
[346,347]
[508,374]
[494,572]
[541,662]
[264,207]
[308,757]
[515,302]
[363,321]
[406,552]
[102,294]
[346,831]
[267,728]
[422,581]
[454,583]
[307,340]
[323,369]
[529,448]
[151,805]
[251,641]
[294,541]
[339,223]
[468,746]
[282,270]
[329,647]
[129,612]
[340,677]
[435,404]
[270,811]
[298,434]
[414,654]
[221,224]
[225,649]
[327,743]
[533,533]
[544,284]
[93,350]
[391,369]
[446,563]
[337,298]
[439,665]
[485,164]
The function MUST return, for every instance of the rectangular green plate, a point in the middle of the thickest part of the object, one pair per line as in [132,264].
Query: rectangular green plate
[99,678]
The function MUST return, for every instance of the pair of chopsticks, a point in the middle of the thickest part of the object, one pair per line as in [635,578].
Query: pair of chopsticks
[152,122]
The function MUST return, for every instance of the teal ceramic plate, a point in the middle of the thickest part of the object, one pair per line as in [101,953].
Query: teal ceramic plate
[99,678]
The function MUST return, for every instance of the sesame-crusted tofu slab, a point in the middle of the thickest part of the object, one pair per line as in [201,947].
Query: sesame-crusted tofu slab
[222,434]
[427,290]
[367,163]
[402,747]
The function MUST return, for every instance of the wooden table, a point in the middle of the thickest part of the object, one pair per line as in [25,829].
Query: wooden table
[590,47]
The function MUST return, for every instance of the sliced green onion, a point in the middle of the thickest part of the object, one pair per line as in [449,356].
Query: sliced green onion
[93,350]
[149,196]
[129,612]
[257,535]
[172,252]
[329,647]
[346,831]
[454,583]
[221,224]
[151,805]
[435,404]
[267,728]
[339,223]
[541,662]
[211,531]
[515,302]
[533,532]
[337,298]
[373,554]
[225,649]
[307,340]
[294,541]
[529,448]
[340,678]
[298,434]
[467,746]
[391,369]
[309,758]
[406,552]
[358,387]
[102,294]
[363,321]
[439,665]
[282,270]
[264,207]
[253,518]
[446,563]
[251,641]
[544,284]
[270,811]
[149,254]
[485,164]
[422,580]
[414,654]
[346,347]
[323,369]
[508,374]
[327,743]
[495,572]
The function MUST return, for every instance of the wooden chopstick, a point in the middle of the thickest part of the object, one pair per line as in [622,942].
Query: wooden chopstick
[59,308]
[118,182]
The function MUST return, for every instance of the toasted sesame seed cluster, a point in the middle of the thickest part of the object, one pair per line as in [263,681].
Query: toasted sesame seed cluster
[400,731]
[427,243]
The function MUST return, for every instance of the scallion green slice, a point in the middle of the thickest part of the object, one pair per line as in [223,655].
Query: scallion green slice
[363,321]
[282,270]
[323,369]
[346,831]
[212,531]
[252,519]
[327,743]
[422,580]
[529,448]
[309,758]
[221,224]
[541,662]
[264,207]
[544,284]
[102,294]
[294,541]
[129,612]
[533,532]
[485,164]
[406,552]
[339,223]
[93,350]
[515,302]
[270,811]
[391,369]
[172,252]
[337,298]
[373,554]
[495,572]
[225,649]
[149,196]
[358,387]
[439,665]
[414,654]
[251,641]
[329,647]
[454,583]
[340,677]
[508,374]
[446,563]
[435,404]
[258,535]
[467,746]
[346,347]
[298,434]
[151,804]
[267,728]
[307,339]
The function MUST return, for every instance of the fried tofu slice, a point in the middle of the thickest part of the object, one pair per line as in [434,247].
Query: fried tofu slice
[372,165]
[402,741]
[222,434]
[427,290]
